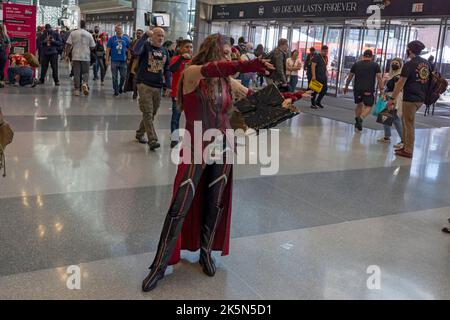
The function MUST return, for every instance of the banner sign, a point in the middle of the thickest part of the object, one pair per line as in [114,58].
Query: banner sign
[20,21]
[111,17]
[288,9]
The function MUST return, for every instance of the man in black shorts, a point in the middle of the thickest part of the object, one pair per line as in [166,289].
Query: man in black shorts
[366,72]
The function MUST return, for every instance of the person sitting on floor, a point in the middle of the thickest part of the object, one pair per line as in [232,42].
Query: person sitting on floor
[20,71]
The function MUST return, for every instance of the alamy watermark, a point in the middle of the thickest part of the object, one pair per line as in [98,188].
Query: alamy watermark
[230,147]
[73,281]
[374,280]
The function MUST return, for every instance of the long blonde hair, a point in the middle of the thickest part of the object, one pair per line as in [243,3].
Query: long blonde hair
[210,50]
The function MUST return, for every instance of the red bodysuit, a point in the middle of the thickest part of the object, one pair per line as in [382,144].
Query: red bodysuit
[215,115]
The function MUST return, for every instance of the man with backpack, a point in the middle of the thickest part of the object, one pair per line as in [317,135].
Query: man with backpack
[415,83]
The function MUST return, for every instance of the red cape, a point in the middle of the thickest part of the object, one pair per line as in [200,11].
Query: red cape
[190,234]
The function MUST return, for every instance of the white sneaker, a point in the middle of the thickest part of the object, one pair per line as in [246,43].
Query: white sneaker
[76,93]
[399,146]
[384,140]
[85,89]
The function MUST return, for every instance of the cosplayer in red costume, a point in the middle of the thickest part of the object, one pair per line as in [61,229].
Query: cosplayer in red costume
[199,216]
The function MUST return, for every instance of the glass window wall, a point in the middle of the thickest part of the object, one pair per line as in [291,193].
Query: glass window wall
[348,40]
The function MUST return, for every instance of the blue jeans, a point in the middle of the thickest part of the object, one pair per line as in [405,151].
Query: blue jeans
[96,68]
[25,73]
[293,83]
[398,127]
[245,79]
[118,67]
[175,122]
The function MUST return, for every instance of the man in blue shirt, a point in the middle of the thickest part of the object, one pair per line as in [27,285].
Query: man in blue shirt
[116,55]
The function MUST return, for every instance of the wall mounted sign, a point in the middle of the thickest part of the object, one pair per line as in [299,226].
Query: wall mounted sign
[111,17]
[286,9]
[20,21]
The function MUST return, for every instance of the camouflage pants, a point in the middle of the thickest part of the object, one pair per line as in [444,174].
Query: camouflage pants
[149,102]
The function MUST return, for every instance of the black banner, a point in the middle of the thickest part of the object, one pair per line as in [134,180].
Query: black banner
[288,9]
[110,17]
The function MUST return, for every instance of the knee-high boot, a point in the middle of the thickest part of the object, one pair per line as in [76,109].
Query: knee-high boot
[173,226]
[209,228]
[213,216]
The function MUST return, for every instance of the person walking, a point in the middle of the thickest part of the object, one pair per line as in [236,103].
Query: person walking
[116,56]
[278,59]
[293,67]
[81,42]
[248,55]
[260,53]
[308,64]
[319,72]
[177,66]
[96,35]
[414,81]
[5,44]
[49,44]
[367,73]
[432,63]
[100,53]
[153,64]
[133,63]
[390,82]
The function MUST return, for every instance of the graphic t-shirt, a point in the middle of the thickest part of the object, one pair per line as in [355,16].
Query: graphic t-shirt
[119,47]
[417,71]
[153,63]
[365,75]
[20,61]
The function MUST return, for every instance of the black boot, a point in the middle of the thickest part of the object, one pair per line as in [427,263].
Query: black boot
[209,229]
[169,236]
[172,227]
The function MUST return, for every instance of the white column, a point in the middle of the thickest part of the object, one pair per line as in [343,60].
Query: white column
[179,18]
[141,7]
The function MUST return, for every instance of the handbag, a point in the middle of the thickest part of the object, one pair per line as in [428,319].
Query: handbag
[379,107]
[6,137]
[316,86]
[386,117]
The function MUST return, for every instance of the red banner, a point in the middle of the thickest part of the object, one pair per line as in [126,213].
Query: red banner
[20,22]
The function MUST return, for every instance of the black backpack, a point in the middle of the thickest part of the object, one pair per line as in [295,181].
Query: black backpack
[436,87]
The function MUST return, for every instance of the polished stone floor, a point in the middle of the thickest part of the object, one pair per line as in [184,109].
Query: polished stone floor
[80,191]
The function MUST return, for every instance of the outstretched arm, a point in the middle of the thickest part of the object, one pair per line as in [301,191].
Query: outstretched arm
[222,69]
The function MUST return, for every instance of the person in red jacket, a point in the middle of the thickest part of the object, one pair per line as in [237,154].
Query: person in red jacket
[177,66]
